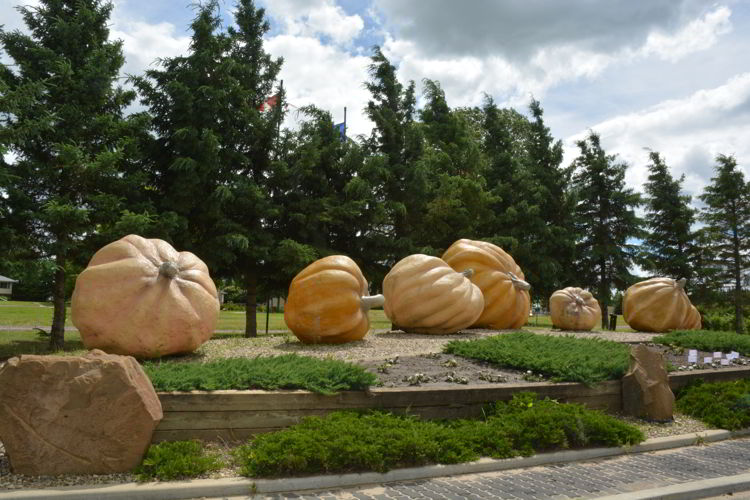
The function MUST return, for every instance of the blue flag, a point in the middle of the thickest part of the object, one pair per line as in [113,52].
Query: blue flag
[341,127]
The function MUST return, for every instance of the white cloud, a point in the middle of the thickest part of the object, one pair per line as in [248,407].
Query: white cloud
[143,43]
[699,34]
[688,132]
[325,76]
[313,18]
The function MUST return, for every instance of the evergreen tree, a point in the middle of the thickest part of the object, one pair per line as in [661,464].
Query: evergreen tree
[396,143]
[458,204]
[727,218]
[605,220]
[668,244]
[211,155]
[62,118]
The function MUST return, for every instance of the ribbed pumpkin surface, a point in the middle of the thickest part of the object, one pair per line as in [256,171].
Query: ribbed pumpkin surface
[324,304]
[573,308]
[123,304]
[506,300]
[659,305]
[423,294]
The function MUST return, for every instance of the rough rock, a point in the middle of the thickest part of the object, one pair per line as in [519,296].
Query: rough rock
[92,414]
[645,387]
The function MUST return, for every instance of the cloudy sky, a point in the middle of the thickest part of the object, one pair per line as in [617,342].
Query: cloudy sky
[669,75]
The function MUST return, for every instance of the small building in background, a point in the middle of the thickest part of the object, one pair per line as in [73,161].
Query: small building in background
[6,286]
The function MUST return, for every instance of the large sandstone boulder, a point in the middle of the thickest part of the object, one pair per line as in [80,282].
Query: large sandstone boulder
[91,414]
[645,387]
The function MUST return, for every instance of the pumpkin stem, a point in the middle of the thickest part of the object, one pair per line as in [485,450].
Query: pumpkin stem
[681,282]
[468,273]
[579,300]
[518,283]
[168,269]
[373,301]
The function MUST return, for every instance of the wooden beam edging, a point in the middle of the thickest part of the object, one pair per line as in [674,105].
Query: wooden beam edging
[232,415]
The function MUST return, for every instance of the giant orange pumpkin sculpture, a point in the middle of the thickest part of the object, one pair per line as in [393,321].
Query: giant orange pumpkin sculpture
[506,294]
[141,297]
[659,305]
[574,309]
[423,294]
[328,302]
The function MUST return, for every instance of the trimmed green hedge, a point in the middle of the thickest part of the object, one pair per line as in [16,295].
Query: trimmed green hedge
[289,371]
[177,460]
[374,441]
[725,405]
[563,358]
[707,340]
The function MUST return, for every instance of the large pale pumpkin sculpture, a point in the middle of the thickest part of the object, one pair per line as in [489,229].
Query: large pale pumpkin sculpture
[659,305]
[143,298]
[574,309]
[328,302]
[423,294]
[506,294]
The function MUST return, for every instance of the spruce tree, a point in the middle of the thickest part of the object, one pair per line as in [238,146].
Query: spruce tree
[727,217]
[605,220]
[62,118]
[668,244]
[396,144]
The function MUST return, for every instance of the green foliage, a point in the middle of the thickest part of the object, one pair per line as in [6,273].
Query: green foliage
[605,220]
[177,460]
[289,371]
[563,358]
[348,441]
[727,232]
[725,405]
[709,341]
[61,117]
[668,244]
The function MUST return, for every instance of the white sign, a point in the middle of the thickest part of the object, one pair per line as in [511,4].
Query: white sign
[734,354]
[708,360]
[693,353]
[717,355]
[724,361]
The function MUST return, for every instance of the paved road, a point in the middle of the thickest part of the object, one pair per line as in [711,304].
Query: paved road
[575,480]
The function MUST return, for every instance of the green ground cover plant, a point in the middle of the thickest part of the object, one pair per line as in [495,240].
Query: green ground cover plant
[375,441]
[725,405]
[564,359]
[177,460]
[288,371]
[707,340]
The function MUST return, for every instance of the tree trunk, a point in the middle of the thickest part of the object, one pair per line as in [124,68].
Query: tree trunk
[739,320]
[57,332]
[251,285]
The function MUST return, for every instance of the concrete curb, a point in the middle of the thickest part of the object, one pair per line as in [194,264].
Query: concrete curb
[238,487]
[689,491]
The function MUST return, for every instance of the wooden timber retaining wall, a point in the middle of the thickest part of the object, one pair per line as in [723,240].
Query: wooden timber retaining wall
[235,415]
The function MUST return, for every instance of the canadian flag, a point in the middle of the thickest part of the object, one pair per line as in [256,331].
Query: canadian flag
[269,103]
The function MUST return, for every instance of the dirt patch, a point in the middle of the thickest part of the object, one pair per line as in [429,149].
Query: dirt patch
[439,369]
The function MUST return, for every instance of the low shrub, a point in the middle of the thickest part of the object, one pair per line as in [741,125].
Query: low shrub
[707,340]
[177,460]
[230,306]
[289,371]
[563,358]
[375,441]
[725,405]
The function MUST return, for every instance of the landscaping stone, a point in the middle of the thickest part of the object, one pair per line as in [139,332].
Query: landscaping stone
[92,414]
[645,387]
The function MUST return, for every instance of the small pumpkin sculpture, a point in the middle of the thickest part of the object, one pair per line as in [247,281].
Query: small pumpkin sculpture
[328,302]
[506,294]
[141,297]
[659,305]
[573,308]
[423,294]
